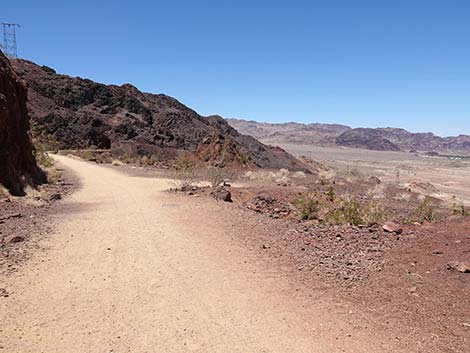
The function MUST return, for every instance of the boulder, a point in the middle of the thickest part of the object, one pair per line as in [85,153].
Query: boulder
[221,194]
[374,180]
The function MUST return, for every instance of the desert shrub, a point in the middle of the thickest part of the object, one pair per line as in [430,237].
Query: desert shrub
[43,142]
[185,175]
[3,193]
[244,159]
[148,160]
[43,159]
[217,176]
[349,212]
[184,163]
[309,208]
[330,192]
[373,213]
[323,181]
[426,211]
[280,176]
[185,179]
[460,210]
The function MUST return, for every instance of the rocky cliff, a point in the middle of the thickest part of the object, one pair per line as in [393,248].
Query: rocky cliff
[17,162]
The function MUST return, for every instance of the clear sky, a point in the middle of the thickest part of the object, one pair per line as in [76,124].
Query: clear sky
[401,63]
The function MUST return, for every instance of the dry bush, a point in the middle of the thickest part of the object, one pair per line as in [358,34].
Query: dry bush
[403,196]
[426,211]
[280,176]
[373,213]
[217,176]
[330,192]
[185,179]
[184,163]
[460,210]
[4,194]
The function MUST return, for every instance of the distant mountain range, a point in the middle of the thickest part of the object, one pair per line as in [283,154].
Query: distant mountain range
[380,139]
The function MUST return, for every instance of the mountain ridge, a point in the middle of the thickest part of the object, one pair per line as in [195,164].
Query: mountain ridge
[79,113]
[382,139]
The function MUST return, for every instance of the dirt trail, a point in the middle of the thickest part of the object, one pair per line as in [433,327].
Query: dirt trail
[130,268]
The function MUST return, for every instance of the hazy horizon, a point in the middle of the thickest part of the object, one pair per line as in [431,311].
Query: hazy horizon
[344,124]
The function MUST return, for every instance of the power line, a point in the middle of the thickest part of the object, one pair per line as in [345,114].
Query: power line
[9,40]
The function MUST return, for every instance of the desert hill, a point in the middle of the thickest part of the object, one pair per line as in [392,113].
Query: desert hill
[382,139]
[78,113]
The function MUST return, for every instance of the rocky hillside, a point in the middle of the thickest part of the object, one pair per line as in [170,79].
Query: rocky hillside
[382,139]
[78,113]
[317,134]
[17,163]
[370,139]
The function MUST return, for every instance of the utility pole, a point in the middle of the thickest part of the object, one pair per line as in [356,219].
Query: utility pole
[8,45]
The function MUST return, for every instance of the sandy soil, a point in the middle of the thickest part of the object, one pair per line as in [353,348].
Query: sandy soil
[132,268]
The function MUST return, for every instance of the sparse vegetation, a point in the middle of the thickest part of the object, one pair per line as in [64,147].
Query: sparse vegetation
[3,193]
[373,213]
[217,176]
[330,193]
[243,159]
[309,208]
[460,210]
[184,163]
[426,211]
[323,181]
[43,143]
[349,212]
[185,179]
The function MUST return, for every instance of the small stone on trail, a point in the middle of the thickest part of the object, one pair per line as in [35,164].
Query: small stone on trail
[55,197]
[391,227]
[13,239]
[460,266]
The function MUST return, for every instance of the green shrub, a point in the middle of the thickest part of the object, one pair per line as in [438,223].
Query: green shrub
[349,212]
[309,208]
[243,159]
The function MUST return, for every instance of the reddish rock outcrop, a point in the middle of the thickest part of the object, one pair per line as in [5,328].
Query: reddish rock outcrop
[17,163]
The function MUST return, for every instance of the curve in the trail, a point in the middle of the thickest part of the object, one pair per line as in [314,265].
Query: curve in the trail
[134,269]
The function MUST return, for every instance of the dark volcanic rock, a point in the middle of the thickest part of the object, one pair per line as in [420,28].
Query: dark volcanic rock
[13,239]
[79,113]
[221,194]
[366,138]
[17,162]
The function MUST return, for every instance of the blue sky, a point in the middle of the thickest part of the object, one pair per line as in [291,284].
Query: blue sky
[402,63]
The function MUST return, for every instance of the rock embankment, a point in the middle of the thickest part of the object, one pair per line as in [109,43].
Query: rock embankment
[17,162]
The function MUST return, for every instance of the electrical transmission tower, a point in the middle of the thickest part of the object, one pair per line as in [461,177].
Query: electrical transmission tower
[9,40]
